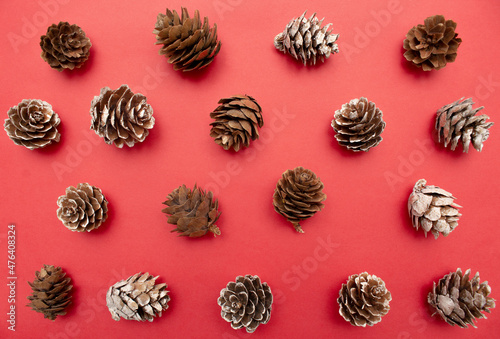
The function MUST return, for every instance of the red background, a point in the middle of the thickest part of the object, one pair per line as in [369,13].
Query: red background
[365,217]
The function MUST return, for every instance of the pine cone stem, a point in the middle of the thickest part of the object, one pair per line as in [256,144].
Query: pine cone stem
[297,227]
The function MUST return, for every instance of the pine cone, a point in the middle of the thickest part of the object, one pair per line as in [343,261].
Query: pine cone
[246,303]
[32,124]
[460,301]
[65,46]
[433,45]
[187,43]
[83,208]
[364,300]
[358,125]
[121,117]
[298,196]
[306,40]
[458,122]
[237,120]
[137,298]
[433,209]
[193,212]
[51,292]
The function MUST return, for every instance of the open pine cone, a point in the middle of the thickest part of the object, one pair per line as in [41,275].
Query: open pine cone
[121,117]
[32,124]
[188,43]
[237,121]
[460,301]
[65,46]
[432,45]
[246,303]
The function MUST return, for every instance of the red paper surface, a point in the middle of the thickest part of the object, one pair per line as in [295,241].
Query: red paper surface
[364,225]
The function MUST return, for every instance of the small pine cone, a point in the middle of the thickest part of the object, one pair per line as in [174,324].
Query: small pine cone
[358,125]
[237,121]
[433,209]
[364,300]
[246,303]
[460,301]
[305,40]
[51,292]
[137,298]
[65,46]
[458,122]
[194,212]
[121,117]
[432,45]
[83,208]
[188,43]
[298,196]
[32,124]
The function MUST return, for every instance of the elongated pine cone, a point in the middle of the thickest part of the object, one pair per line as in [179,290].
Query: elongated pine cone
[458,122]
[194,212]
[306,41]
[460,301]
[432,45]
[364,300]
[433,209]
[188,43]
[246,303]
[298,196]
[237,121]
[358,125]
[65,46]
[83,208]
[137,298]
[121,117]
[51,292]
[32,124]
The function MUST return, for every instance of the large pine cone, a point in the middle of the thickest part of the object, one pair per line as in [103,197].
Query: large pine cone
[83,208]
[32,124]
[187,43]
[433,45]
[65,46]
[358,125]
[306,40]
[246,303]
[51,292]
[433,209]
[298,196]
[194,212]
[237,121]
[137,298]
[121,117]
[364,299]
[458,122]
[460,301]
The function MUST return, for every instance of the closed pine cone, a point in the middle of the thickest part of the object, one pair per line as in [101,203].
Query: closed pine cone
[237,121]
[460,301]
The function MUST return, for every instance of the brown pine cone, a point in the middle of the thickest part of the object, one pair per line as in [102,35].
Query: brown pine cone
[121,117]
[137,298]
[51,292]
[65,46]
[237,121]
[298,196]
[188,43]
[194,212]
[246,303]
[432,45]
[32,124]
[83,208]
[458,122]
[460,301]
[364,299]
[358,125]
